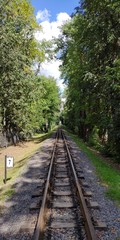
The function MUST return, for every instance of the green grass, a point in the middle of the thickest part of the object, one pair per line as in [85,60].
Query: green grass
[9,192]
[109,176]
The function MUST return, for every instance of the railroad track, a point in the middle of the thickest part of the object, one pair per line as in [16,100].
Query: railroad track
[64,204]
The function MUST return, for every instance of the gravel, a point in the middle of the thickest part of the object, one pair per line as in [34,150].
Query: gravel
[16,219]
[109,212]
[16,215]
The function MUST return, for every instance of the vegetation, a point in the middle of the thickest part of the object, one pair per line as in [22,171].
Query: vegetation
[26,101]
[110,178]
[90,51]
[89,48]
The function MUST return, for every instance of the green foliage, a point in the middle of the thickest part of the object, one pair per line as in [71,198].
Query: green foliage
[90,51]
[26,101]
[17,21]
[44,109]
[94,139]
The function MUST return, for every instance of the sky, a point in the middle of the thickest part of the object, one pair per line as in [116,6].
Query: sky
[51,14]
[55,6]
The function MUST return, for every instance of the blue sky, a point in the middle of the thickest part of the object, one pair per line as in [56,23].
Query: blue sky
[55,6]
[51,15]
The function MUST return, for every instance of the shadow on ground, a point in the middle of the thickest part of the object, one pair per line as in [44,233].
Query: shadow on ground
[16,210]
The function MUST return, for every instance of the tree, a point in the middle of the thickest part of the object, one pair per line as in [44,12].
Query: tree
[44,109]
[21,92]
[89,48]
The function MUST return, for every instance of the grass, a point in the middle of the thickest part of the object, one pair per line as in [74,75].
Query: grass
[109,176]
[21,154]
[8,192]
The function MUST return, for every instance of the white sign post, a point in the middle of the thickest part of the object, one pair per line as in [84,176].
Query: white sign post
[9,163]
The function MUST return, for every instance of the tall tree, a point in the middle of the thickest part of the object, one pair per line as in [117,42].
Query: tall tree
[90,50]
[18,49]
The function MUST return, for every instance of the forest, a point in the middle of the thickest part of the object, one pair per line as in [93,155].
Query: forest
[89,47]
[29,102]
[90,54]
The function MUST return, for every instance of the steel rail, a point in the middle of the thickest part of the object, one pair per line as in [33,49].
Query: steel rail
[39,231]
[90,231]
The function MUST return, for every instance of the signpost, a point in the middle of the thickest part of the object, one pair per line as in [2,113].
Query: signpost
[9,163]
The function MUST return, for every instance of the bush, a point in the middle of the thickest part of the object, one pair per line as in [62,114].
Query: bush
[94,139]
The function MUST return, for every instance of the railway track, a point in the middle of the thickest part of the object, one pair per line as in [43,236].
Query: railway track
[64,204]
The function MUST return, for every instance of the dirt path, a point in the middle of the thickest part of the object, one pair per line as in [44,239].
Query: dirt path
[20,153]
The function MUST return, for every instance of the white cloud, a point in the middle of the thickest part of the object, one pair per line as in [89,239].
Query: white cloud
[50,30]
[62,17]
[52,69]
[43,15]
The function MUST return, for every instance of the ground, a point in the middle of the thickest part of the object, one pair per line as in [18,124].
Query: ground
[21,153]
[24,185]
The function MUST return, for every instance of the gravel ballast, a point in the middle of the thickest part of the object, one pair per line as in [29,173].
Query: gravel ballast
[18,222]
[109,212]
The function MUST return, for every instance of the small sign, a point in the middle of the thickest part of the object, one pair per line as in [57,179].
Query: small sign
[9,162]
